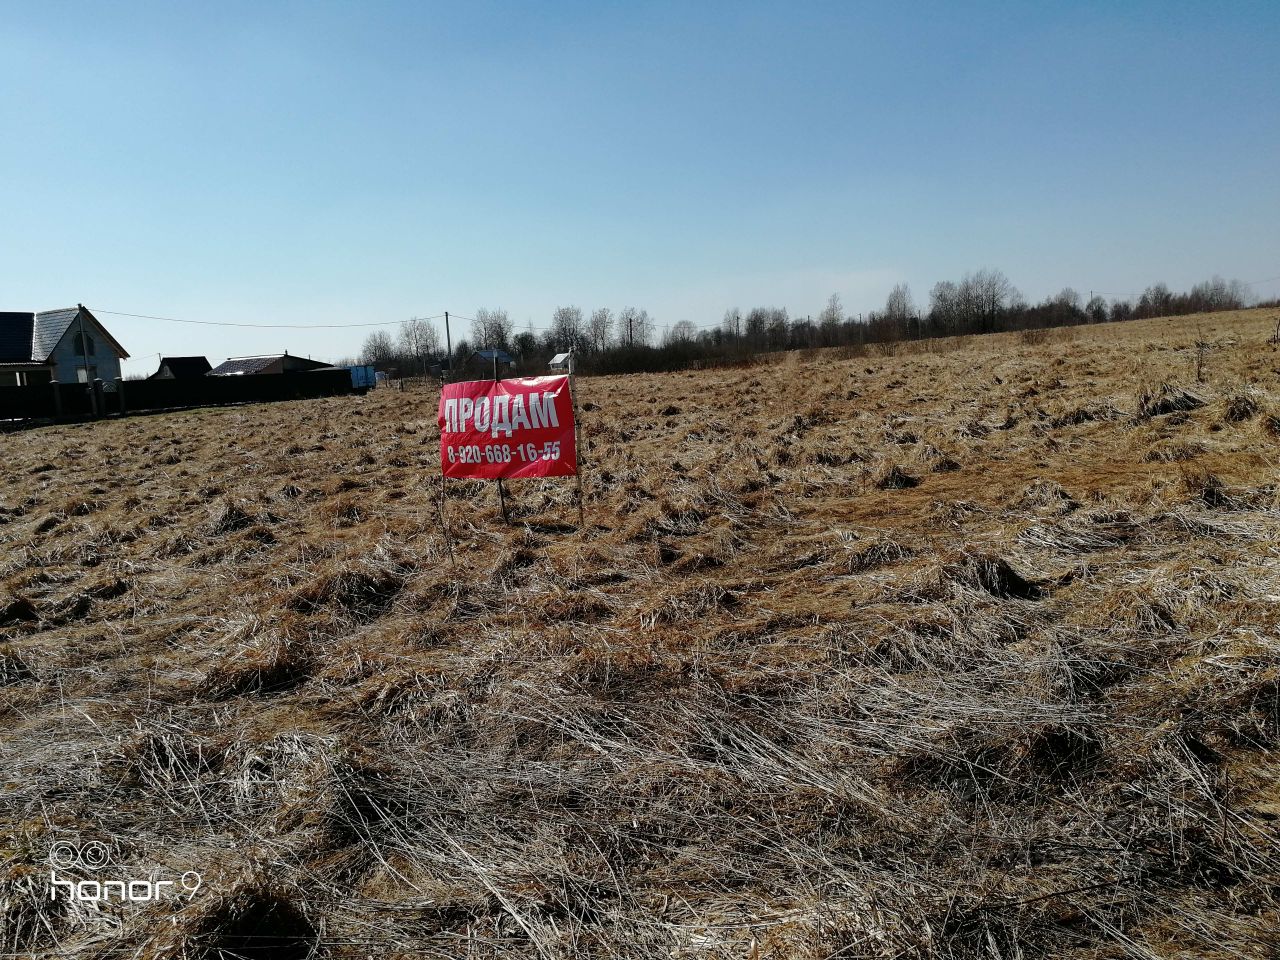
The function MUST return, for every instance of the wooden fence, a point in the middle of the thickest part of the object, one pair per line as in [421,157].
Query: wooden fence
[78,401]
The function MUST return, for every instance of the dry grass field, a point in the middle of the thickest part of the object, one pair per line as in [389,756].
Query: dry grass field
[968,648]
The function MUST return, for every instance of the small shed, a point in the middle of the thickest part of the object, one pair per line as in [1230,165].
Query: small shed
[181,368]
[491,360]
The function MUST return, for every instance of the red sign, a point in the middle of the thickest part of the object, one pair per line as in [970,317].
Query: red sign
[507,428]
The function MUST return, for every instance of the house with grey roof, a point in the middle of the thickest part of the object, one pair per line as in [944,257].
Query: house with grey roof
[274,363]
[68,345]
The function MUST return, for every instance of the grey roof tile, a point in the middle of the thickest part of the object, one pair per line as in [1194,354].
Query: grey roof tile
[50,327]
[243,365]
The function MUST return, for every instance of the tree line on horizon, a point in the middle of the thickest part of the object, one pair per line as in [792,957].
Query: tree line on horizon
[984,301]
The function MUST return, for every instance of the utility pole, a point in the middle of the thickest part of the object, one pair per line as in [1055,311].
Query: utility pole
[84,346]
[448,345]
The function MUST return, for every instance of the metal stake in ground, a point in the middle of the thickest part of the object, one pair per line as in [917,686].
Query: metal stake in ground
[444,525]
[445,371]
[502,493]
[577,443]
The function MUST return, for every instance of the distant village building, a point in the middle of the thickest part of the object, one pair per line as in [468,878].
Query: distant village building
[181,368]
[68,345]
[275,363]
[490,360]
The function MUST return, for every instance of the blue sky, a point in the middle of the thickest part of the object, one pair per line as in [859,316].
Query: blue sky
[366,162]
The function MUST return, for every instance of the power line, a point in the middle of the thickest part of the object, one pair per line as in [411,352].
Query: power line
[262,326]
[538,328]
[1255,283]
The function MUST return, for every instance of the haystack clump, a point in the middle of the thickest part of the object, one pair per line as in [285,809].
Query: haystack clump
[362,592]
[18,610]
[989,573]
[1045,495]
[1085,414]
[229,518]
[1240,407]
[1165,399]
[271,665]
[891,476]
[881,551]
[935,460]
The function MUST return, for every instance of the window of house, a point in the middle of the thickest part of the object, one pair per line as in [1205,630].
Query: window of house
[84,345]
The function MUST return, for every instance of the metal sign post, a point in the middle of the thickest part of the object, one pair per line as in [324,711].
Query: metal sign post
[502,493]
[445,372]
[577,441]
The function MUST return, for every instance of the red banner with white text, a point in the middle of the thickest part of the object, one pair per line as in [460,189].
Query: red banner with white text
[492,429]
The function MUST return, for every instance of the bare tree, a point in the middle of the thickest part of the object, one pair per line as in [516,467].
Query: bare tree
[635,326]
[1068,299]
[526,342]
[599,329]
[990,293]
[900,311]
[779,328]
[566,328]
[978,304]
[646,326]
[945,308]
[491,329]
[1219,294]
[830,318]
[419,339]
[732,322]
[378,349]
[899,307]
[683,332]
[1156,301]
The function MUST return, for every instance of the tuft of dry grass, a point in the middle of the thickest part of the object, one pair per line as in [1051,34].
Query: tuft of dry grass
[1164,399]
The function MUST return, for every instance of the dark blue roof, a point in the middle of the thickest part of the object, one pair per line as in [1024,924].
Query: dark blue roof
[15,337]
[500,355]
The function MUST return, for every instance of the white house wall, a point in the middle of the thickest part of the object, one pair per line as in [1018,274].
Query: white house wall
[68,360]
